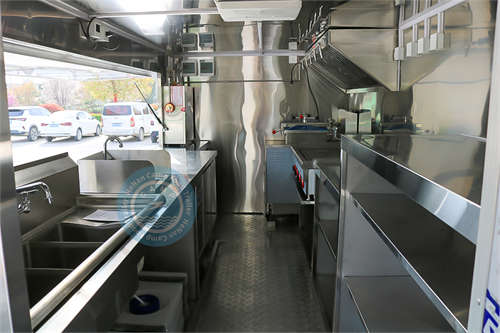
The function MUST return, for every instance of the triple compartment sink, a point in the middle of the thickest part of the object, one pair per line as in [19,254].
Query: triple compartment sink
[56,248]
[54,253]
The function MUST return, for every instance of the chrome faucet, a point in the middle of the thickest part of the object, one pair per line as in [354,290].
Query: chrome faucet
[24,205]
[111,138]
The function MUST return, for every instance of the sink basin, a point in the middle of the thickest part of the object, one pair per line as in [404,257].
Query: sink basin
[55,251]
[41,280]
[98,175]
[157,157]
[70,232]
[56,254]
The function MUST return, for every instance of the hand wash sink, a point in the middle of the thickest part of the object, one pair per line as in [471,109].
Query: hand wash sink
[99,175]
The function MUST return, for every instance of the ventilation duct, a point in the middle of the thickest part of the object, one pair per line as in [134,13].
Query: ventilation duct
[355,50]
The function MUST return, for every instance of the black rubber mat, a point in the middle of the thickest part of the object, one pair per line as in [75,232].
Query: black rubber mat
[260,280]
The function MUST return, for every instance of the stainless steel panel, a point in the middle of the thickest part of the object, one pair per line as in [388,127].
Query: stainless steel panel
[154,28]
[280,182]
[14,305]
[366,63]
[372,54]
[159,158]
[486,269]
[450,89]
[107,176]
[334,67]
[42,24]
[391,304]
[449,188]
[210,201]
[60,173]
[360,13]
[238,116]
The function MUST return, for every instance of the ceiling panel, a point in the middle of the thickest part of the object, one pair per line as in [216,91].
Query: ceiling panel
[153,27]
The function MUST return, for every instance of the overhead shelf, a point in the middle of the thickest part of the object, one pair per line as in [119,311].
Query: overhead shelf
[393,304]
[439,260]
[443,174]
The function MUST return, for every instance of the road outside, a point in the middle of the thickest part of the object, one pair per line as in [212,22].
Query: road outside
[25,151]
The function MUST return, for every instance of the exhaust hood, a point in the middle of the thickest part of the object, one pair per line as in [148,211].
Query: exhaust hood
[258,10]
[356,48]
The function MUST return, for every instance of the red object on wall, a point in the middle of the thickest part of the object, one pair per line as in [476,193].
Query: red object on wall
[115,98]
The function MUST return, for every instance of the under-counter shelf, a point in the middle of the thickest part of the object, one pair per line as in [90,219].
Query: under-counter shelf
[440,260]
[393,304]
[443,174]
[325,287]
[329,230]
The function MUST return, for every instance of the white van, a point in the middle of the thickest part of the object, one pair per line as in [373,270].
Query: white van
[126,119]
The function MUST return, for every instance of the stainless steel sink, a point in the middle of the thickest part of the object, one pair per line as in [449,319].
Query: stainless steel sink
[72,232]
[98,175]
[57,254]
[60,247]
[42,280]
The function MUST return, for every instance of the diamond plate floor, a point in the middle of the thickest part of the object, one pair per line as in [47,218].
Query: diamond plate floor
[260,280]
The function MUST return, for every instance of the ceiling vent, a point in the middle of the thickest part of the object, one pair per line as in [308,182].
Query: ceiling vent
[258,10]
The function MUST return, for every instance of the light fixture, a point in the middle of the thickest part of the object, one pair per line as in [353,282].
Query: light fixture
[150,25]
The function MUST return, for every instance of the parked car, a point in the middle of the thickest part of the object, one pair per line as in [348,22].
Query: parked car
[70,123]
[26,120]
[126,119]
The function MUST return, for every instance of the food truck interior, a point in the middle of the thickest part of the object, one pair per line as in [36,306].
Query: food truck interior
[249,165]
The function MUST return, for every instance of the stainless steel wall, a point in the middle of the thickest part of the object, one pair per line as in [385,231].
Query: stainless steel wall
[249,97]
[451,89]
[14,310]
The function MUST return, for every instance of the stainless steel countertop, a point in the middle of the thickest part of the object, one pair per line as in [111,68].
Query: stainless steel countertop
[190,162]
[454,162]
[319,149]
[443,174]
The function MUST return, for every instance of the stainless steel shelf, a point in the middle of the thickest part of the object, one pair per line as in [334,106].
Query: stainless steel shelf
[440,260]
[394,304]
[325,288]
[443,174]
[329,230]
[330,171]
